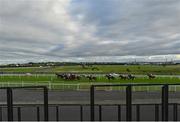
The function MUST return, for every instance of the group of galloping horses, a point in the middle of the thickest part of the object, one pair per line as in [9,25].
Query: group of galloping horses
[71,76]
[127,76]
[121,76]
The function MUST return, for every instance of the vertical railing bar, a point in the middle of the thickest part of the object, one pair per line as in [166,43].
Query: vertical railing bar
[19,113]
[138,112]
[175,112]
[119,112]
[81,112]
[156,112]
[38,114]
[165,104]
[10,104]
[0,113]
[92,102]
[57,113]
[100,113]
[46,114]
[162,104]
[128,103]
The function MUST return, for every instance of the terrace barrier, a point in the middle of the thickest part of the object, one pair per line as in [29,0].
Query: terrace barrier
[164,99]
[9,91]
[82,114]
[163,107]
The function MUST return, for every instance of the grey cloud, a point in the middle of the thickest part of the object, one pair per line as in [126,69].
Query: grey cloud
[131,21]
[69,28]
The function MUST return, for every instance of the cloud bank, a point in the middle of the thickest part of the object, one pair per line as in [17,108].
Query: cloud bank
[30,29]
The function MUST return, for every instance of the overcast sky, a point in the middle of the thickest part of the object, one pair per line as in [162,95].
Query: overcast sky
[38,30]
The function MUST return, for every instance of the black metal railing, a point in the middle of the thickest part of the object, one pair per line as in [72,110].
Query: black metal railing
[160,110]
[10,101]
[83,111]
[164,98]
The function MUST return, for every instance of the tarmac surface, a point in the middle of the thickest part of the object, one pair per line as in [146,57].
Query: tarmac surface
[83,97]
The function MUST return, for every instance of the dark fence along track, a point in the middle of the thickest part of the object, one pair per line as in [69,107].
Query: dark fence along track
[10,101]
[83,112]
[164,101]
[43,111]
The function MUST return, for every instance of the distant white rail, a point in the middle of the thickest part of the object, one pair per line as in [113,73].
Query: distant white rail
[82,86]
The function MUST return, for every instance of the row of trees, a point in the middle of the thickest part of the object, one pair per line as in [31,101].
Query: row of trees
[84,64]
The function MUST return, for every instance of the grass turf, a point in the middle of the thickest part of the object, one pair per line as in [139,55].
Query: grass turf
[56,83]
[134,69]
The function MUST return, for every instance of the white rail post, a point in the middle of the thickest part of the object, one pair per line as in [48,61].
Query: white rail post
[63,86]
[78,85]
[49,85]
[22,84]
[140,88]
[52,85]
[111,88]
[175,89]
[36,83]
[148,88]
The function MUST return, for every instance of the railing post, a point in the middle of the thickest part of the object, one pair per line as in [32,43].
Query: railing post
[175,112]
[92,102]
[19,113]
[128,103]
[119,112]
[100,113]
[57,113]
[156,112]
[10,104]
[137,112]
[165,104]
[0,113]
[46,115]
[81,113]
[38,113]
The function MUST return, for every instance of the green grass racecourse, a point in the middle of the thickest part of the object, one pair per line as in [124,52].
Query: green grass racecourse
[133,69]
[100,79]
[57,83]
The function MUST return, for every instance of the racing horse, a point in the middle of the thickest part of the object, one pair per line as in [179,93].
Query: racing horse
[109,76]
[68,76]
[124,77]
[130,76]
[151,76]
[91,78]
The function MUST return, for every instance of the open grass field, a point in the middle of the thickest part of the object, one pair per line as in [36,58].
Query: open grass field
[56,83]
[133,69]
[100,79]
[83,84]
